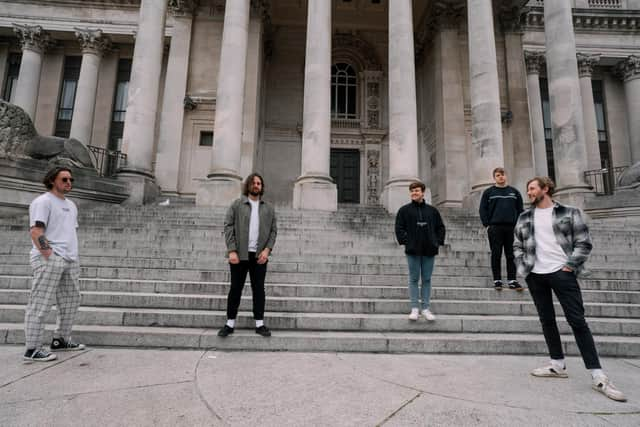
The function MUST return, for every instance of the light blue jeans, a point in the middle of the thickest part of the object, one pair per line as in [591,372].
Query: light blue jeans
[420,266]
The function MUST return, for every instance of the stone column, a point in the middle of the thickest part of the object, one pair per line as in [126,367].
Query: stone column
[586,63]
[4,56]
[34,42]
[630,71]
[175,89]
[567,122]
[93,45]
[535,61]
[223,183]
[403,125]
[486,137]
[142,105]
[314,188]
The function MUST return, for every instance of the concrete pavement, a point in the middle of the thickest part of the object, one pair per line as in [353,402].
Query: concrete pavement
[135,387]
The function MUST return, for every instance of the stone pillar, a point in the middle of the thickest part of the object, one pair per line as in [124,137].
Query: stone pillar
[175,89]
[403,125]
[142,105]
[586,63]
[223,183]
[630,71]
[93,45]
[4,57]
[34,42]
[486,137]
[535,61]
[567,122]
[314,188]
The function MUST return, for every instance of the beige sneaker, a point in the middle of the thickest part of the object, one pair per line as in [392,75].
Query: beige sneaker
[550,371]
[428,315]
[413,316]
[605,386]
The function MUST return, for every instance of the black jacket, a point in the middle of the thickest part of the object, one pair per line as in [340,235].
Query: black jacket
[420,229]
[500,206]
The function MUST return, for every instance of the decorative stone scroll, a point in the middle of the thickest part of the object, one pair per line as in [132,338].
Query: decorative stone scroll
[184,8]
[33,37]
[93,41]
[373,177]
[534,61]
[586,63]
[372,99]
[628,69]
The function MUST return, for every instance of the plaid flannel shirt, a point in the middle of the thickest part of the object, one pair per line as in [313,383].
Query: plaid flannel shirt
[570,229]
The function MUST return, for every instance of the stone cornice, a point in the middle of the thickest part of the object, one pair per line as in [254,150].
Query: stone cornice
[93,41]
[534,60]
[590,20]
[33,37]
[586,63]
[628,69]
[183,8]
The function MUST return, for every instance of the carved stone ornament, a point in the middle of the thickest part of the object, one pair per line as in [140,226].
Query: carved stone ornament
[33,37]
[183,7]
[534,61]
[373,171]
[628,69]
[93,41]
[358,48]
[586,63]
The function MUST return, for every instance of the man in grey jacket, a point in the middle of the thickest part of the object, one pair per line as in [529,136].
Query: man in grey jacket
[250,232]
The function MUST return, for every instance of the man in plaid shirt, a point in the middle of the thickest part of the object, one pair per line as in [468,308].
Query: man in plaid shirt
[551,245]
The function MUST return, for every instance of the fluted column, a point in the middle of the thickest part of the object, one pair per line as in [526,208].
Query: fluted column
[567,120]
[534,62]
[486,137]
[34,42]
[142,105]
[630,71]
[223,183]
[403,126]
[175,89]
[586,63]
[314,188]
[94,44]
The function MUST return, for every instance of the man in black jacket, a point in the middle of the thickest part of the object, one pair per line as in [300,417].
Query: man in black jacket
[500,207]
[420,229]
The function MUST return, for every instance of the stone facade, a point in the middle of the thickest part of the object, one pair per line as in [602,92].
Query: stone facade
[219,89]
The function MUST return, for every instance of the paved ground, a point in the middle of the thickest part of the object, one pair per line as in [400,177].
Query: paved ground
[132,387]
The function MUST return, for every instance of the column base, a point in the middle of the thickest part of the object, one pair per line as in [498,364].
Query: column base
[315,192]
[143,189]
[577,196]
[472,200]
[396,194]
[219,191]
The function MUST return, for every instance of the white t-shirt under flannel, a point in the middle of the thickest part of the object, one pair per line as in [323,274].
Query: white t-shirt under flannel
[60,217]
[549,254]
[254,225]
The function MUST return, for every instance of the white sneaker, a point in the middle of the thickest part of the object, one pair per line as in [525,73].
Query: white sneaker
[428,315]
[602,384]
[550,371]
[414,314]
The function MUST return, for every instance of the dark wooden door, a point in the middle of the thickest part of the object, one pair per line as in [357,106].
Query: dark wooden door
[345,170]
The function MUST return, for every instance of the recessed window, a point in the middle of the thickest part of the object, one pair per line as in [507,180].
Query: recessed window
[67,98]
[206,138]
[343,91]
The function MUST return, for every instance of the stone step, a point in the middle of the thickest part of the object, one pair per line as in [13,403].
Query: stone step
[287,340]
[523,306]
[116,316]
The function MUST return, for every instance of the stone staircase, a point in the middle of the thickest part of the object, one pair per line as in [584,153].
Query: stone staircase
[156,277]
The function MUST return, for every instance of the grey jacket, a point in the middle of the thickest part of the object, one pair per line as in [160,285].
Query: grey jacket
[236,227]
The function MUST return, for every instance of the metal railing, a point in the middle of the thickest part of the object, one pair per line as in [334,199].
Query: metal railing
[604,181]
[107,161]
[345,123]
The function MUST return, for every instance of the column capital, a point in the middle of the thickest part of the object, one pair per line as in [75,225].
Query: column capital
[629,68]
[512,19]
[534,60]
[93,41]
[586,63]
[33,37]
[448,16]
[183,8]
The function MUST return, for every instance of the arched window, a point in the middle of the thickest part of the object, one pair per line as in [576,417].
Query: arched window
[343,91]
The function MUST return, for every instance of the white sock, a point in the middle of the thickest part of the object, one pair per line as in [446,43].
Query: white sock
[231,323]
[597,373]
[558,363]
[259,323]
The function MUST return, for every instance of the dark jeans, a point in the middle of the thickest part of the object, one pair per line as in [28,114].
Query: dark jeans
[501,237]
[257,273]
[567,290]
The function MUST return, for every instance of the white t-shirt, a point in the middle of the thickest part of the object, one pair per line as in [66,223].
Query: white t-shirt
[549,254]
[60,217]
[254,225]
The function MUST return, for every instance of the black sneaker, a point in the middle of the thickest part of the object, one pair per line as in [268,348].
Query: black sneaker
[38,355]
[513,284]
[497,285]
[60,344]
[264,331]
[225,331]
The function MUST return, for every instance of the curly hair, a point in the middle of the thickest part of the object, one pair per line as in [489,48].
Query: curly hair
[52,175]
[246,188]
[544,182]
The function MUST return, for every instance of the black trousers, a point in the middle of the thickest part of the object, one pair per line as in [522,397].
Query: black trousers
[257,273]
[501,237]
[567,290]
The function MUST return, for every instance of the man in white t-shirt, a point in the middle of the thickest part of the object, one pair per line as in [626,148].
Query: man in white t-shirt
[551,245]
[53,220]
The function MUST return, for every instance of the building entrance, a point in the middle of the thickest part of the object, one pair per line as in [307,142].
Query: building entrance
[345,171]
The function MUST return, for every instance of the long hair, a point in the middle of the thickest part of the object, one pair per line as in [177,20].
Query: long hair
[52,175]
[246,188]
[544,182]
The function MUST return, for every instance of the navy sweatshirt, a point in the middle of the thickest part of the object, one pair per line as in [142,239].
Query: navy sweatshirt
[500,206]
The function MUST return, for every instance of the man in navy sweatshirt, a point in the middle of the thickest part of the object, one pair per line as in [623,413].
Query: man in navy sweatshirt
[500,207]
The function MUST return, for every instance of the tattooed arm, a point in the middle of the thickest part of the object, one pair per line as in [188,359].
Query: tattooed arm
[40,240]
